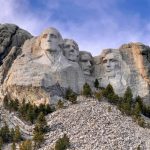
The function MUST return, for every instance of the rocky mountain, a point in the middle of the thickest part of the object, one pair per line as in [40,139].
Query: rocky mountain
[40,69]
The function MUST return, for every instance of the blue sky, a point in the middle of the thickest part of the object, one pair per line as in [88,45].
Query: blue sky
[93,24]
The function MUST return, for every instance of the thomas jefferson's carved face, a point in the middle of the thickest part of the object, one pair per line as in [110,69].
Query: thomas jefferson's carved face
[111,64]
[71,50]
[50,40]
[86,63]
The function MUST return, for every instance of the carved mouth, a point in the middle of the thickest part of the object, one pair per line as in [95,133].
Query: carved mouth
[108,70]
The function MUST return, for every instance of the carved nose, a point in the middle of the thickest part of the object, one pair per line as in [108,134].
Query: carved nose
[88,63]
[108,64]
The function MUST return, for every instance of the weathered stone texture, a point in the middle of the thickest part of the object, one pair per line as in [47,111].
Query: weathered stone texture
[51,64]
[91,126]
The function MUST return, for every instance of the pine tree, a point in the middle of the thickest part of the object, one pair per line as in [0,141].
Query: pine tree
[47,109]
[68,93]
[98,95]
[87,90]
[26,145]
[60,104]
[17,136]
[139,100]
[38,135]
[41,120]
[62,143]
[96,84]
[137,110]
[12,134]
[30,116]
[108,91]
[13,146]
[127,101]
[5,133]
[73,98]
[6,102]
[40,128]
[16,105]
[128,95]
[1,142]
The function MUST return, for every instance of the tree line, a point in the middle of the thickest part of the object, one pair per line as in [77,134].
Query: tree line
[27,111]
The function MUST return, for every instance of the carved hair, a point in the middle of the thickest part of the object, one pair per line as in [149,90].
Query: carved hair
[116,53]
[122,64]
[66,40]
[81,53]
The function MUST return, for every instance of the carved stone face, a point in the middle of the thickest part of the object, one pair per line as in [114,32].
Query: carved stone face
[50,40]
[111,64]
[71,50]
[86,63]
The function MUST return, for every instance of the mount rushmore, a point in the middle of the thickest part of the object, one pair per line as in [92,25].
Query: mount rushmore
[40,69]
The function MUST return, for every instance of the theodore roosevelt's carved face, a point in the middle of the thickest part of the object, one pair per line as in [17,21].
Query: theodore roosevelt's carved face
[71,50]
[86,62]
[51,40]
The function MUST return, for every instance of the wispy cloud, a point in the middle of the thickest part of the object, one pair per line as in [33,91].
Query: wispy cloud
[95,24]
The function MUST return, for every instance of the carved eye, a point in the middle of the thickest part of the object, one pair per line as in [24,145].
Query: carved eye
[45,36]
[67,46]
[112,60]
[53,36]
[74,47]
[104,61]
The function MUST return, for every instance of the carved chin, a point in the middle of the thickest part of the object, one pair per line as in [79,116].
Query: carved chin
[87,72]
[110,74]
[72,58]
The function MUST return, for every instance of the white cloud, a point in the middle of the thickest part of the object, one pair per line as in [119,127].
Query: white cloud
[19,13]
[109,28]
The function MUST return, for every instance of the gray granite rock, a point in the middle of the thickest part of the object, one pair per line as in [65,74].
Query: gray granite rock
[93,125]
[127,66]
[43,66]
[41,69]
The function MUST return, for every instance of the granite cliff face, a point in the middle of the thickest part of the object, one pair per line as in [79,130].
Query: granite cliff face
[40,69]
[11,39]
[126,66]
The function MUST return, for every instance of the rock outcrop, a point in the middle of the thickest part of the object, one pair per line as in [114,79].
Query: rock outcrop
[127,66]
[40,69]
[43,66]
[11,39]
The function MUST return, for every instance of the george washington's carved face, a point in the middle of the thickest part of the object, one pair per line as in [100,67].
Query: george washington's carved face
[86,63]
[71,50]
[51,40]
